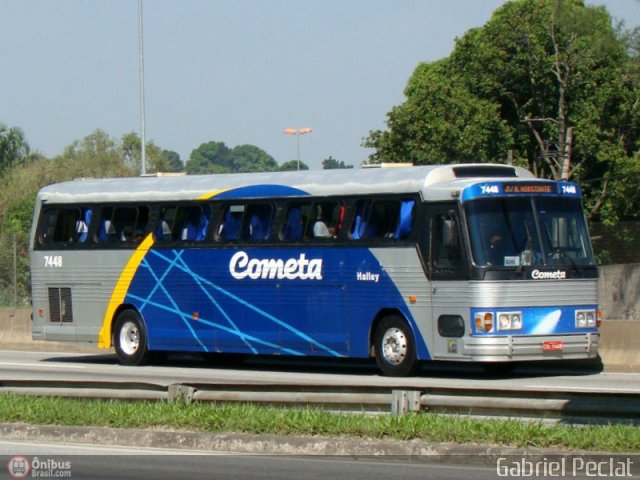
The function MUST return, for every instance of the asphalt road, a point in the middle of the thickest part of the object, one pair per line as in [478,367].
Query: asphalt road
[96,462]
[22,365]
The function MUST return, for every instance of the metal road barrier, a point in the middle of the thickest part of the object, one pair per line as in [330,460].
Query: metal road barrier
[567,406]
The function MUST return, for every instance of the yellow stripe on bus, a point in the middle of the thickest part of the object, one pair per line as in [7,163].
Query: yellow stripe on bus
[209,195]
[123,283]
[121,289]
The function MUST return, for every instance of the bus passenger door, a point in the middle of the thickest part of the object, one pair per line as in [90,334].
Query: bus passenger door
[449,283]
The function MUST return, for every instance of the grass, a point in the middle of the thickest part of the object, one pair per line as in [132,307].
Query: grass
[247,418]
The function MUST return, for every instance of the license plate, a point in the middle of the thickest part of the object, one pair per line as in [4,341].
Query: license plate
[552,346]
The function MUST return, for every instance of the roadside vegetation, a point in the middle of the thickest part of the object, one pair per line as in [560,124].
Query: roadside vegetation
[253,419]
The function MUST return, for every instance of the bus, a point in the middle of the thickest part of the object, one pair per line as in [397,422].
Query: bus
[468,262]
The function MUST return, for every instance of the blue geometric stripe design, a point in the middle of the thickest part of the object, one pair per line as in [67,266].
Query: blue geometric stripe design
[153,293]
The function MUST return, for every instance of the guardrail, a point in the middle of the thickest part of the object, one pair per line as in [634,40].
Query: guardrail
[569,406]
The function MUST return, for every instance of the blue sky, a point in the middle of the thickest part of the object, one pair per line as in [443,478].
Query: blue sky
[236,71]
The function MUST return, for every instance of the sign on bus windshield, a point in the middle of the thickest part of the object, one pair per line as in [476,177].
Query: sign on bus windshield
[492,189]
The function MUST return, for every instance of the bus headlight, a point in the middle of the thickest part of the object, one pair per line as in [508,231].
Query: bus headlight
[509,321]
[586,318]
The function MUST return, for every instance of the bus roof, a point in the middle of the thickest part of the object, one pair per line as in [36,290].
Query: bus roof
[436,182]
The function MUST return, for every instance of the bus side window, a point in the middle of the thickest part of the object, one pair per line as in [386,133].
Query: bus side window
[446,249]
[325,220]
[257,222]
[359,227]
[405,222]
[62,226]
[82,225]
[229,226]
[390,219]
[47,226]
[195,222]
[293,226]
[123,224]
[165,224]
[130,223]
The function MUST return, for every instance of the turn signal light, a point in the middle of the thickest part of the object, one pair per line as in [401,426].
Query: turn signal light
[484,321]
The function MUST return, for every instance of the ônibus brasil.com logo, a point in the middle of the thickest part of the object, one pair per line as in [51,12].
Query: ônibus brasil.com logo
[19,466]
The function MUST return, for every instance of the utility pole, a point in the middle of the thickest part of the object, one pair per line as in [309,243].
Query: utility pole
[143,159]
[15,274]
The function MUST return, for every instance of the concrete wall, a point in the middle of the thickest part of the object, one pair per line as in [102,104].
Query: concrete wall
[15,334]
[619,302]
[619,287]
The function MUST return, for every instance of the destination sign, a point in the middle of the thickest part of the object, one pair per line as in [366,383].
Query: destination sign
[511,188]
[530,188]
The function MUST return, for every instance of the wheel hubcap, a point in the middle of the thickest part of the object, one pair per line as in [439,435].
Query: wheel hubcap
[394,346]
[129,338]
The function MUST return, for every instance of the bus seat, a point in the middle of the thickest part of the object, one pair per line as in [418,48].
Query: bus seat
[107,232]
[292,230]
[230,227]
[204,225]
[405,223]
[163,231]
[82,226]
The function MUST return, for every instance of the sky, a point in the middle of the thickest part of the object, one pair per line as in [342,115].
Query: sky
[232,71]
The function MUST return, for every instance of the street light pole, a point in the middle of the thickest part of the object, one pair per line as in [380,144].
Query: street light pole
[143,159]
[297,132]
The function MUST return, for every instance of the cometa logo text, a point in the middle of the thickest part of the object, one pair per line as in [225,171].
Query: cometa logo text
[557,275]
[301,268]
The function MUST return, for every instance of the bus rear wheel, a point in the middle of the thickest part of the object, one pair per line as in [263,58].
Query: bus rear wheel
[395,347]
[130,339]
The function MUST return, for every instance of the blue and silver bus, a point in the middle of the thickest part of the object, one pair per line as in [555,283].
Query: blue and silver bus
[469,262]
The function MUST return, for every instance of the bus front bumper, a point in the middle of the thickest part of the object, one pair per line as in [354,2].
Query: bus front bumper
[510,348]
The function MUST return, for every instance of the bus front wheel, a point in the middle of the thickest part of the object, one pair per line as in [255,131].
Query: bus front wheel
[130,339]
[395,348]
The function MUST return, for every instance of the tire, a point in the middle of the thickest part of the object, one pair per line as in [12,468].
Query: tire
[130,339]
[395,347]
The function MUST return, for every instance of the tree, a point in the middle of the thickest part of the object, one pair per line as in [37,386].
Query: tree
[292,165]
[216,157]
[172,161]
[156,159]
[14,148]
[96,155]
[331,163]
[249,158]
[553,82]
[211,157]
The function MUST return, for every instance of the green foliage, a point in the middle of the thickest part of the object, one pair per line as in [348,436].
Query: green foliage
[156,159]
[441,122]
[97,155]
[249,158]
[331,163]
[171,162]
[210,157]
[14,149]
[216,157]
[292,165]
[553,82]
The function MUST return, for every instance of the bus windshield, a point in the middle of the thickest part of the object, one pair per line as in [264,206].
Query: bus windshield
[522,231]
